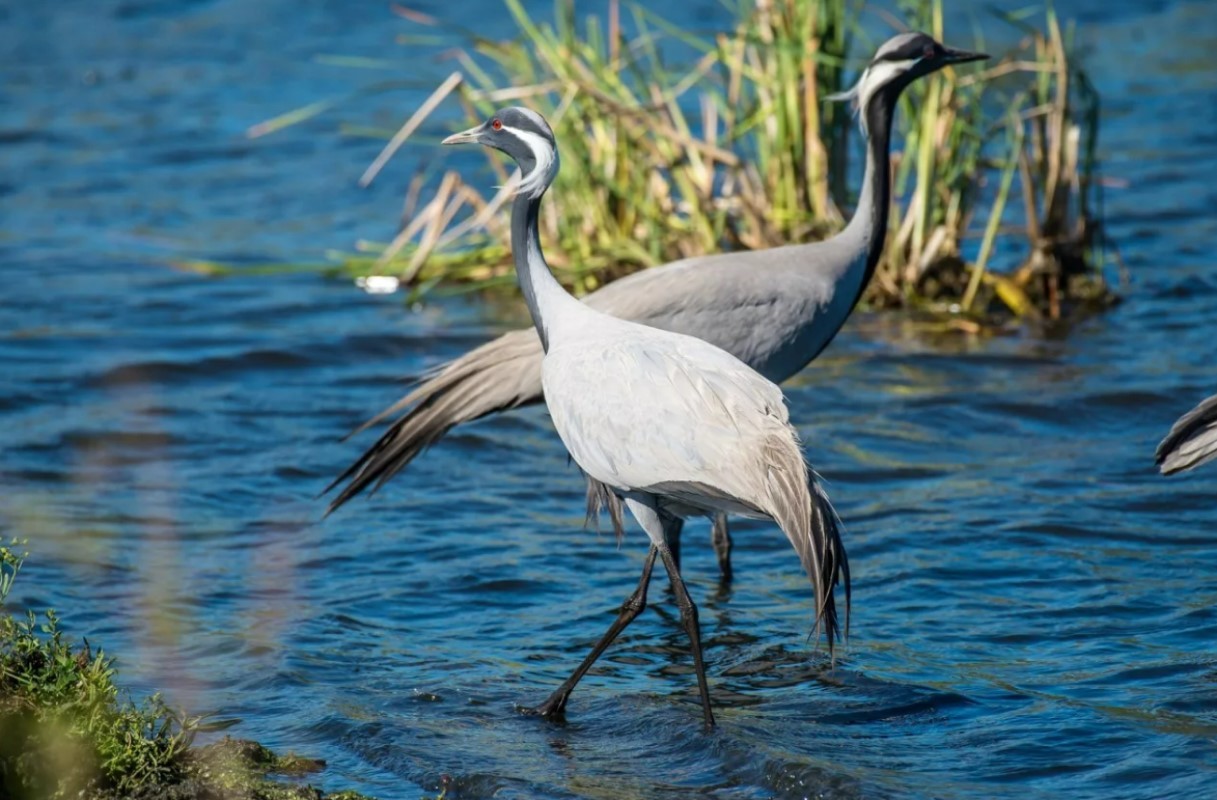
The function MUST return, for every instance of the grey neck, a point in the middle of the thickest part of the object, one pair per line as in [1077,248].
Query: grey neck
[869,223]
[541,289]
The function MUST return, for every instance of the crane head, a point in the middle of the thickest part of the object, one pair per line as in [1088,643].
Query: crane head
[898,62]
[524,135]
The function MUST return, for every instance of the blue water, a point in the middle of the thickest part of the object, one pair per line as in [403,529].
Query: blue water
[1034,606]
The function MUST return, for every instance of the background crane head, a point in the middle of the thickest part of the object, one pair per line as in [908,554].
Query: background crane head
[525,136]
[898,62]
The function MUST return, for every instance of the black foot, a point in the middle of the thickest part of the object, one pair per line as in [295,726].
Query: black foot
[552,709]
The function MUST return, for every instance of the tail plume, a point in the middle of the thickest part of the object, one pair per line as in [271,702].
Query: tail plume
[601,498]
[834,562]
[802,509]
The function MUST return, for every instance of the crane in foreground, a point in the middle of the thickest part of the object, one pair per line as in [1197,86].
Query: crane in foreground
[670,424]
[1192,440]
[774,309]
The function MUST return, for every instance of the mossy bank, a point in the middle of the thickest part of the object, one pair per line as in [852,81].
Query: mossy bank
[68,731]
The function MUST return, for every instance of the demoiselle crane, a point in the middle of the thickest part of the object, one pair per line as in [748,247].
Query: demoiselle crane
[774,309]
[1192,440]
[669,423]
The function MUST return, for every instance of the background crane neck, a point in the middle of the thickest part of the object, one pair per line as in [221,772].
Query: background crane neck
[869,223]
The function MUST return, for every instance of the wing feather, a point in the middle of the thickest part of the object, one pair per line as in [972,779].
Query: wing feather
[1192,440]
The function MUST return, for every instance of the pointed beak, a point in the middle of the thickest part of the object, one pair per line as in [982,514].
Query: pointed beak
[465,137]
[953,56]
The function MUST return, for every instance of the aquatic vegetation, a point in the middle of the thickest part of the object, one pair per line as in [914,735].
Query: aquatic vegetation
[67,730]
[10,565]
[739,148]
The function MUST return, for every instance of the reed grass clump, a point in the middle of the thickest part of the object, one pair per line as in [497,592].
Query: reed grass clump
[676,144]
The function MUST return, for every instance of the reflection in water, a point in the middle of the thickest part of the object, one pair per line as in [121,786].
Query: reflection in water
[1032,611]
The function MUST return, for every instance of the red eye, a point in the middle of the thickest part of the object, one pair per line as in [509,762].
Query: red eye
[497,125]
[928,51]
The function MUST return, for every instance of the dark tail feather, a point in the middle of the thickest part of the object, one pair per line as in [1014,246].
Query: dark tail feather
[1192,440]
[833,562]
[798,503]
[601,497]
[400,445]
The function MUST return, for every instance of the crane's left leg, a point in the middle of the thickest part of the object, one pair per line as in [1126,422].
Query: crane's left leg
[672,526]
[555,704]
[720,537]
[652,522]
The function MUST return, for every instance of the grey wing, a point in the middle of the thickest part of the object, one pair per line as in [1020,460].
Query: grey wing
[501,374]
[1192,440]
[760,306]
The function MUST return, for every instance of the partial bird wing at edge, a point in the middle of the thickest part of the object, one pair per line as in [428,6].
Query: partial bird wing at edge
[1192,440]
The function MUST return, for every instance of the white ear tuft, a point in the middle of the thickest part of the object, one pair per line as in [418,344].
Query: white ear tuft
[545,157]
[840,97]
[874,78]
[854,96]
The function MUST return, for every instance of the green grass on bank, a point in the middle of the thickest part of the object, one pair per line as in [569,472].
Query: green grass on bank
[68,731]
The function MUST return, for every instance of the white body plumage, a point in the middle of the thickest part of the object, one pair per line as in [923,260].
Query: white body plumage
[649,412]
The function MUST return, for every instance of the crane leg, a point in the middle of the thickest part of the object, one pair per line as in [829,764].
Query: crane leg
[634,605]
[672,526]
[720,536]
[688,617]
